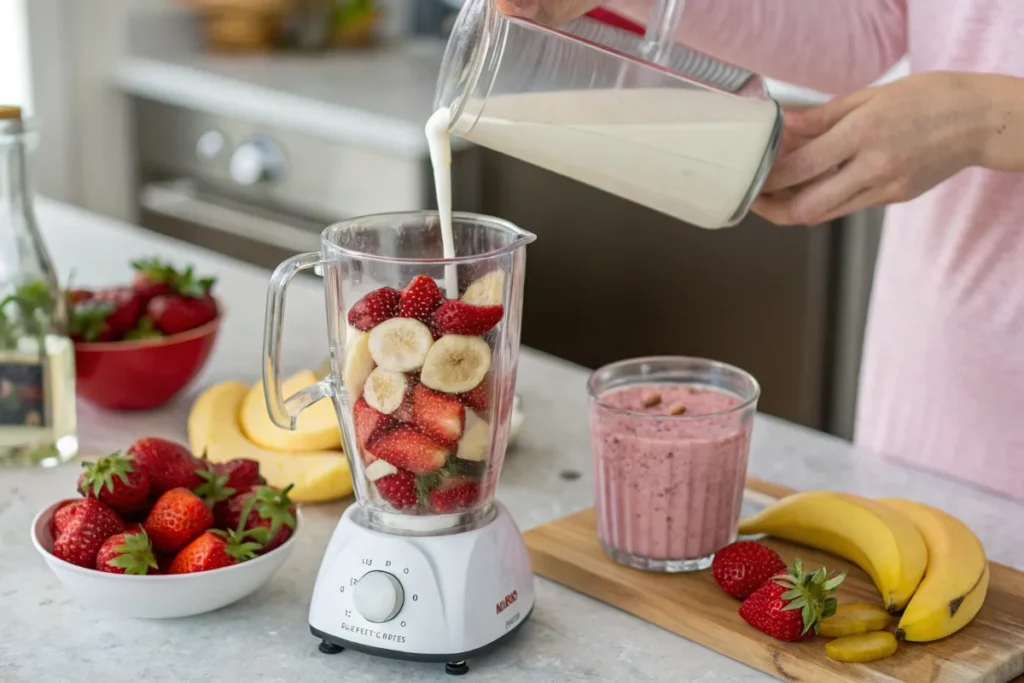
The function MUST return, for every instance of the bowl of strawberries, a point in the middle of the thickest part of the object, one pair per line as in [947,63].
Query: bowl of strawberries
[158,533]
[137,346]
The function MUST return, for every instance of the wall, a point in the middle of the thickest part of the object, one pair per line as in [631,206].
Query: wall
[14,76]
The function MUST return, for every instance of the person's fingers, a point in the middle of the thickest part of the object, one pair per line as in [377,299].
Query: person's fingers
[812,159]
[819,199]
[520,8]
[876,195]
[811,123]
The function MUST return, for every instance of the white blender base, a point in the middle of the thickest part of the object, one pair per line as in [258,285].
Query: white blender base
[422,598]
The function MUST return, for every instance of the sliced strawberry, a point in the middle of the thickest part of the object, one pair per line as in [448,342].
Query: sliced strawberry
[457,492]
[420,298]
[457,317]
[407,448]
[440,416]
[479,397]
[398,489]
[374,308]
[370,423]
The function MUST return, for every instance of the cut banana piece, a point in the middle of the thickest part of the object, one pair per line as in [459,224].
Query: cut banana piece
[456,363]
[955,585]
[400,344]
[883,542]
[863,647]
[853,618]
[358,364]
[378,469]
[488,290]
[476,439]
[385,390]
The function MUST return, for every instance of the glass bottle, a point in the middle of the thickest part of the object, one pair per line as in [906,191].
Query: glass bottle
[37,359]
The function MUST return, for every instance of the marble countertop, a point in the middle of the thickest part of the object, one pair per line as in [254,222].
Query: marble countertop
[46,636]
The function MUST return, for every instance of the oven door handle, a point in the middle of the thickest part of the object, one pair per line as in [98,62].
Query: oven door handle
[177,200]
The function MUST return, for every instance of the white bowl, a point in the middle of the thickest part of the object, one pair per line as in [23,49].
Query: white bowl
[162,596]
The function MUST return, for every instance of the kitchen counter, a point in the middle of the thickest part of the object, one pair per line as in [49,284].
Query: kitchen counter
[46,636]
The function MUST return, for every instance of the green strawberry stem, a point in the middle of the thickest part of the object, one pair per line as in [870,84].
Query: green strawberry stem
[810,592]
[135,555]
[275,506]
[100,475]
[214,488]
[237,547]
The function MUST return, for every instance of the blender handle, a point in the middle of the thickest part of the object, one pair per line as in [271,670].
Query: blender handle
[284,412]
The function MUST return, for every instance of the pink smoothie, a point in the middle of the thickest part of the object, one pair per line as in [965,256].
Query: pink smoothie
[669,472]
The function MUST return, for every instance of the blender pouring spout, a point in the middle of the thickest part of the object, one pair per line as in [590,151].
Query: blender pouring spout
[661,30]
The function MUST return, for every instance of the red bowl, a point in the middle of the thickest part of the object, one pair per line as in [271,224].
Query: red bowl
[143,374]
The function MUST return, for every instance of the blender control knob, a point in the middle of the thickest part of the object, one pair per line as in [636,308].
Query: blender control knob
[378,596]
[256,161]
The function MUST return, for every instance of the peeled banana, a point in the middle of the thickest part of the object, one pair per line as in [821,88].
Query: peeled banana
[879,539]
[956,582]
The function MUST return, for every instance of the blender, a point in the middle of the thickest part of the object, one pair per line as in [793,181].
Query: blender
[426,565]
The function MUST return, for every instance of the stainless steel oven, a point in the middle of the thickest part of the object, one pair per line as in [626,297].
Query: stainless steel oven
[262,194]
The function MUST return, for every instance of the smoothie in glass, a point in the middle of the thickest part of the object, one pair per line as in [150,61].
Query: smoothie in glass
[670,439]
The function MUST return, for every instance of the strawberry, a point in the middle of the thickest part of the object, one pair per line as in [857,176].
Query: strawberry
[440,416]
[479,397]
[242,473]
[420,298]
[168,465]
[457,317]
[178,516]
[127,553]
[133,528]
[63,515]
[213,550]
[742,567]
[374,308]
[216,493]
[456,492]
[369,423]
[407,448]
[266,507]
[87,321]
[174,313]
[792,604]
[127,307]
[398,489]
[116,481]
[90,524]
[76,296]
[152,278]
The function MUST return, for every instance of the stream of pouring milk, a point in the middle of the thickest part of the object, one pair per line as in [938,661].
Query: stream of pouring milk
[439,143]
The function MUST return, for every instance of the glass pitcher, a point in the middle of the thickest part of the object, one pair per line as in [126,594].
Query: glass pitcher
[687,135]
[423,385]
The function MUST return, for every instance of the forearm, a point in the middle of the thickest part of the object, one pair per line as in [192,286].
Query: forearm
[1003,139]
[835,46]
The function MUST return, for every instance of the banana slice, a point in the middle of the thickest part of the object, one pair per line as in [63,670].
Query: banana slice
[488,290]
[385,390]
[400,344]
[476,439]
[456,363]
[378,469]
[358,364]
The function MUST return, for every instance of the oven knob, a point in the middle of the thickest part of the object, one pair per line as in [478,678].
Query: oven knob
[378,597]
[210,144]
[256,161]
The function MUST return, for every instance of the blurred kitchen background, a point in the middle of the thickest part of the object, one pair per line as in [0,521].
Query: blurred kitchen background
[245,126]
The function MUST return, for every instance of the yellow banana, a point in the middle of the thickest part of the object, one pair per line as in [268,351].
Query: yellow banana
[880,540]
[955,585]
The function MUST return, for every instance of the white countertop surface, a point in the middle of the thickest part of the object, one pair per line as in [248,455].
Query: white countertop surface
[45,636]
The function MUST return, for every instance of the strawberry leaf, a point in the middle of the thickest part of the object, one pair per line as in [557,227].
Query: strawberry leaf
[214,488]
[135,555]
[100,474]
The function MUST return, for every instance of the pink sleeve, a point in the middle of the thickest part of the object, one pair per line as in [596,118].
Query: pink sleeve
[834,46]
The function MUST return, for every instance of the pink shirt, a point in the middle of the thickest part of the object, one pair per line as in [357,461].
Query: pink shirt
[942,383]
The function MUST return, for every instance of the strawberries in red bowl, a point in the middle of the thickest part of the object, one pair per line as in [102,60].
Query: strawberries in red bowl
[137,346]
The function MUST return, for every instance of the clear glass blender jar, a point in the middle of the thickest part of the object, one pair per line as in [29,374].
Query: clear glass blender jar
[687,136]
[423,384]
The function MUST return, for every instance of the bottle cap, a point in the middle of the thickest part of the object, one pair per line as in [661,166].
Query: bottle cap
[9,112]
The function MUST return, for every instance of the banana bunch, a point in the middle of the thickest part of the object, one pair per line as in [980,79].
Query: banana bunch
[924,562]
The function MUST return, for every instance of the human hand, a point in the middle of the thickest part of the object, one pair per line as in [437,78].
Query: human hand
[882,145]
[548,11]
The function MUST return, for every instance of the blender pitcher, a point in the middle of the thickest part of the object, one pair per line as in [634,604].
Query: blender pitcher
[642,118]
[422,384]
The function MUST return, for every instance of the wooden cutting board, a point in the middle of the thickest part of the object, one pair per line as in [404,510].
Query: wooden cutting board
[989,650]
